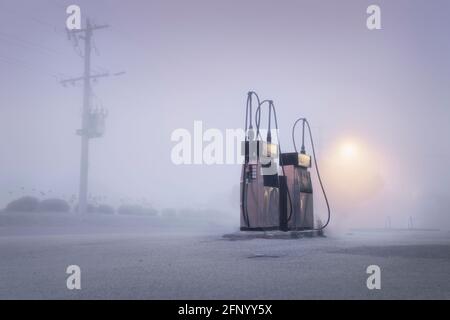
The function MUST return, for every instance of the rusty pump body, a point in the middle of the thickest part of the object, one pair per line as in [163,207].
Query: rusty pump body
[276,188]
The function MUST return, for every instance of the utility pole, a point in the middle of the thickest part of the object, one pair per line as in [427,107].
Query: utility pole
[91,122]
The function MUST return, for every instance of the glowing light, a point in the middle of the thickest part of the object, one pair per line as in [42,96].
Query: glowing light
[348,150]
[351,171]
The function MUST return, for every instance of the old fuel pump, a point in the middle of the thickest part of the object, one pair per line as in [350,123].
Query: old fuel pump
[298,183]
[276,187]
[259,176]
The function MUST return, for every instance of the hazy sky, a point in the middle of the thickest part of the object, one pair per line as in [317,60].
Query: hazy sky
[195,60]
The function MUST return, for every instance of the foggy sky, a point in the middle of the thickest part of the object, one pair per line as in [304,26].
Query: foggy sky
[196,60]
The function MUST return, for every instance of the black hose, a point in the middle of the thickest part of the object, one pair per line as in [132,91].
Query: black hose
[258,117]
[249,106]
[258,121]
[244,199]
[315,164]
[244,186]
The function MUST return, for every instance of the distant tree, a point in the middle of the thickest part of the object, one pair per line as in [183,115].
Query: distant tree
[136,210]
[24,204]
[53,205]
[169,212]
[104,209]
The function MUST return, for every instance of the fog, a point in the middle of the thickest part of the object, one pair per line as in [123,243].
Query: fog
[383,94]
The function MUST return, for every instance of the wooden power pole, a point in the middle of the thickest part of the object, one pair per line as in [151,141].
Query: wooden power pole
[89,121]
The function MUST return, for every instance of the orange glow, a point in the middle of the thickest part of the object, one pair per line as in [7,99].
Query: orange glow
[348,150]
[351,171]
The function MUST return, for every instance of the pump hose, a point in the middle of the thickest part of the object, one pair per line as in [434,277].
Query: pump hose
[316,166]
[258,121]
[244,184]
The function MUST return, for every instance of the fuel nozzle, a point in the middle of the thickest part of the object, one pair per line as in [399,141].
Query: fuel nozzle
[250,134]
[269,136]
[250,145]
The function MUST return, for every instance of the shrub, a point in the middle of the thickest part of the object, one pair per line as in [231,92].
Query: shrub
[186,212]
[54,205]
[136,210]
[149,212]
[104,209]
[24,204]
[169,212]
[90,208]
[129,209]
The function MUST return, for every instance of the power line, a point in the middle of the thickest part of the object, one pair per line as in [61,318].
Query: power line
[28,44]
[24,17]
[56,3]
[24,65]
[14,40]
[42,49]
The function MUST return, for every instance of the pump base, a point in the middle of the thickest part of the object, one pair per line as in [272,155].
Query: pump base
[260,229]
[275,234]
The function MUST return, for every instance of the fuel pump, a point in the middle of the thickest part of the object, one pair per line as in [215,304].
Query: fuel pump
[298,180]
[276,187]
[259,176]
